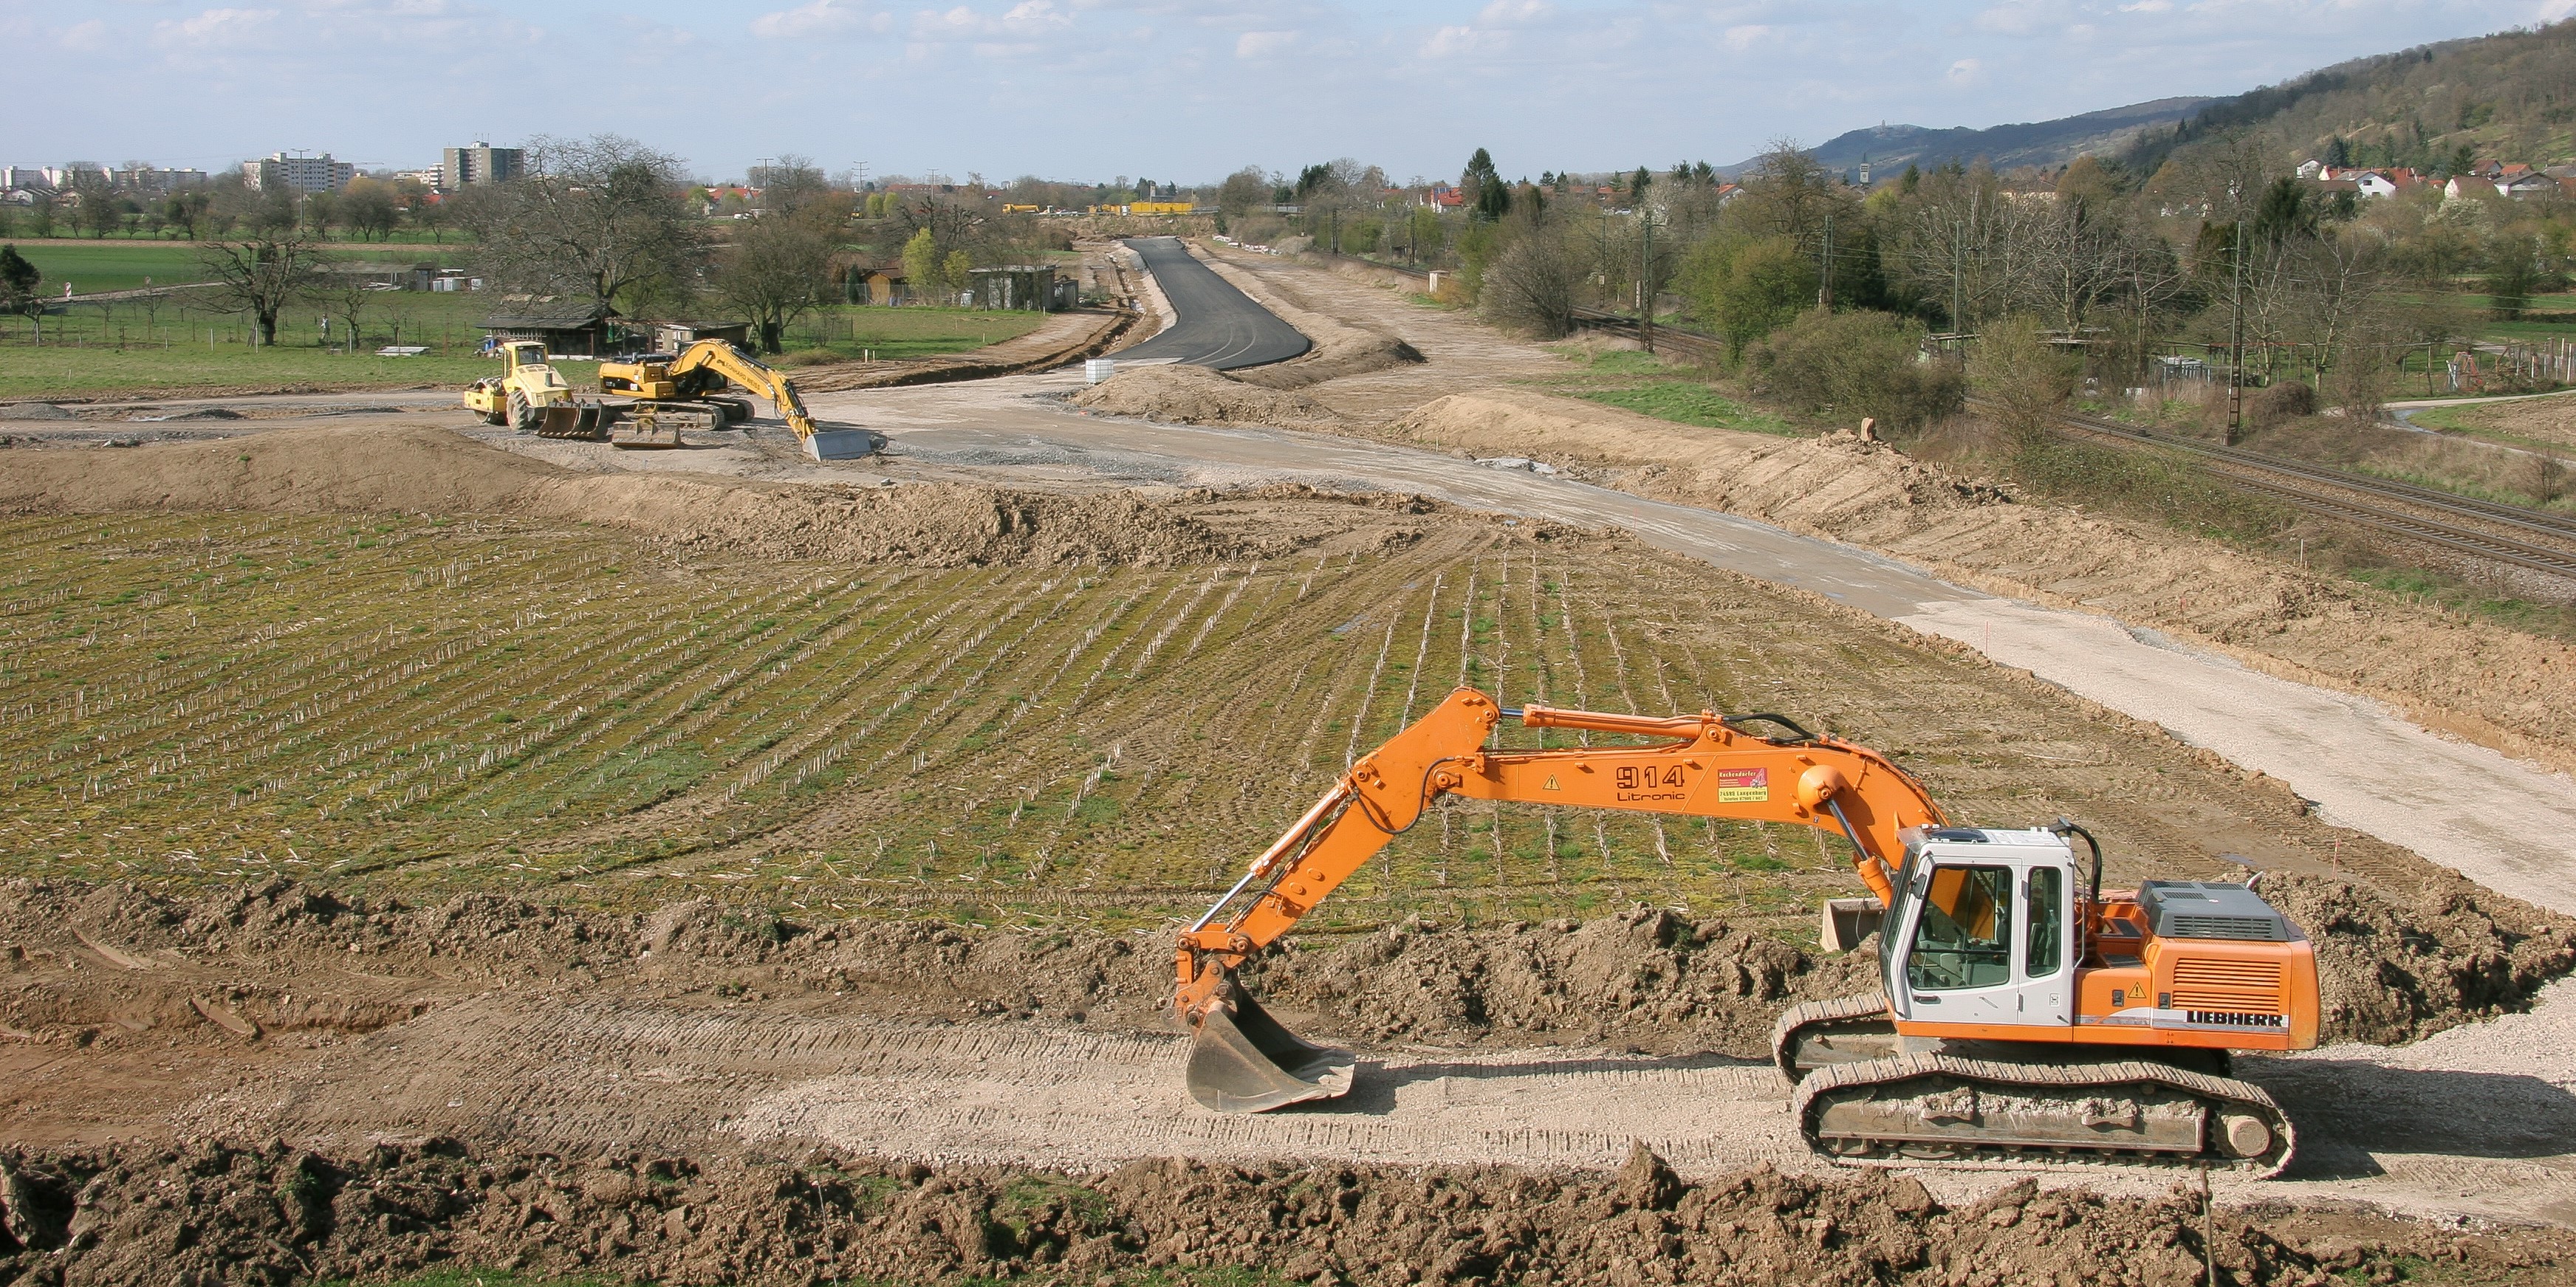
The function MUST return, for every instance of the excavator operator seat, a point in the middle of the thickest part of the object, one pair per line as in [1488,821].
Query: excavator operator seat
[1980,930]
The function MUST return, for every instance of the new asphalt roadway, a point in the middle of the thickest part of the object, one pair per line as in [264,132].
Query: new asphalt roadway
[1218,326]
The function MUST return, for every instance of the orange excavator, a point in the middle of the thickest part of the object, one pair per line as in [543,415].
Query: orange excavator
[2023,1010]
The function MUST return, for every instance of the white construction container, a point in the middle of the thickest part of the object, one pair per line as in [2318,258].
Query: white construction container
[1096,370]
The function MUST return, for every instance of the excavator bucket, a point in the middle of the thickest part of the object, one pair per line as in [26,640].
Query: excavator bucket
[840,444]
[646,434]
[569,420]
[1243,1061]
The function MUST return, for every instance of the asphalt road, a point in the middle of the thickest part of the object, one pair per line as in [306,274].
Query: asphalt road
[1218,326]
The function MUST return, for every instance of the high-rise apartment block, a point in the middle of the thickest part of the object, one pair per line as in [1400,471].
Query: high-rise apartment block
[283,173]
[481,163]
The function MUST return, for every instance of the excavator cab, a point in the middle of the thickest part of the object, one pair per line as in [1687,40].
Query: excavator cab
[1979,929]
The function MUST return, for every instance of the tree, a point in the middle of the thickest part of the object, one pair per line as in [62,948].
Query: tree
[1242,190]
[2026,377]
[1531,285]
[778,265]
[368,206]
[18,281]
[1747,287]
[1487,196]
[921,267]
[1855,364]
[599,219]
[956,271]
[188,210]
[345,296]
[261,275]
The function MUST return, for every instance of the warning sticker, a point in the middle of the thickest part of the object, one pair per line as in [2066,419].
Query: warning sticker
[1743,786]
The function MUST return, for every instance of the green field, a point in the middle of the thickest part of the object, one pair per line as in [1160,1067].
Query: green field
[1646,384]
[124,348]
[92,266]
[444,707]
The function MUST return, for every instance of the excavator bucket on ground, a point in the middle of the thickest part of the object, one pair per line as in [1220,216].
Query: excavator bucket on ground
[645,435]
[1243,1061]
[840,444]
[582,420]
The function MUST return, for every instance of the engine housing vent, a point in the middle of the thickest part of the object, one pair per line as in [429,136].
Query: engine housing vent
[2210,909]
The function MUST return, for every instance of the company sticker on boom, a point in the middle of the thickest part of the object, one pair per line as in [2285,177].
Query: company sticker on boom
[1743,786]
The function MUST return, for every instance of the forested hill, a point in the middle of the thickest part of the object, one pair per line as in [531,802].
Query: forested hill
[2510,96]
[1889,148]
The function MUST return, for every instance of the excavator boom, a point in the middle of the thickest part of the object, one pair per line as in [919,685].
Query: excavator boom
[1706,764]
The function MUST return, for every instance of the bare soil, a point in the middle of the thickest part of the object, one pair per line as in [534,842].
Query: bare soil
[1196,395]
[214,1214]
[2513,691]
[400,466]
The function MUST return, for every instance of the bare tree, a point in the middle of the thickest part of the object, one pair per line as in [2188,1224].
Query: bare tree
[598,219]
[777,267]
[261,275]
[1531,285]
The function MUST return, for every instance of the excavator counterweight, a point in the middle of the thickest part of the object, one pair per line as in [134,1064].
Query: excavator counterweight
[2021,1007]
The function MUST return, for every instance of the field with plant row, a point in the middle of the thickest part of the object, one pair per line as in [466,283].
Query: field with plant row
[465,706]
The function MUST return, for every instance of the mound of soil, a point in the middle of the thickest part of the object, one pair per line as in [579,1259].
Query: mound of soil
[1648,977]
[216,1214]
[1196,395]
[2513,691]
[33,411]
[2388,974]
[410,468]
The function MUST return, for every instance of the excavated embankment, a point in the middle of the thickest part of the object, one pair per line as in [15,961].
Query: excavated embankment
[271,1215]
[1651,978]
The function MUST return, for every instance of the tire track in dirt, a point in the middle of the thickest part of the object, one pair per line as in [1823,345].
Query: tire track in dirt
[2404,1128]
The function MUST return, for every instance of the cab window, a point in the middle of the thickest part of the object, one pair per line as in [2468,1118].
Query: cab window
[2047,917]
[1963,938]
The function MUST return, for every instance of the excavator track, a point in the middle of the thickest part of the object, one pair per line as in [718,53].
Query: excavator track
[1852,1029]
[1914,1108]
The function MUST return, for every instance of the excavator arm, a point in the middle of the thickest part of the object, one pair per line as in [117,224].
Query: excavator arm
[1707,766]
[708,358]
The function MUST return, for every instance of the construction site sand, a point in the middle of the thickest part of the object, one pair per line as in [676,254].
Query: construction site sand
[1199,396]
[411,468]
[706,1032]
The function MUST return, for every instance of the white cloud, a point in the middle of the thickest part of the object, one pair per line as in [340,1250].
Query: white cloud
[1263,44]
[1745,36]
[1514,12]
[821,18]
[220,27]
[1966,71]
[1464,42]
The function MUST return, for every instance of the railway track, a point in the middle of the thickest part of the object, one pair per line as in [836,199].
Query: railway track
[2541,541]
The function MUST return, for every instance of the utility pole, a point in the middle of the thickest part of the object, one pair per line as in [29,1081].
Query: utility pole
[1958,288]
[2236,330]
[1646,278]
[1825,279]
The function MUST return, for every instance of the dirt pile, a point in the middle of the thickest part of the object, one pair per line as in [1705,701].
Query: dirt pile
[380,468]
[2515,692]
[213,1214]
[1196,395]
[2388,974]
[1646,977]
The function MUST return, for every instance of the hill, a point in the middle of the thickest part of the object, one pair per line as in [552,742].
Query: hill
[2511,95]
[1889,148]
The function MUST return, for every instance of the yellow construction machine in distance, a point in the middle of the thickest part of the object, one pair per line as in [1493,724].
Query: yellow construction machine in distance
[679,393]
[531,396]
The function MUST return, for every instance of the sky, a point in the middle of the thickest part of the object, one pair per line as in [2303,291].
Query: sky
[1170,90]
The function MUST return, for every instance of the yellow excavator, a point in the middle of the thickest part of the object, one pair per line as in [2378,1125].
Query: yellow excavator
[2023,1011]
[683,393]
